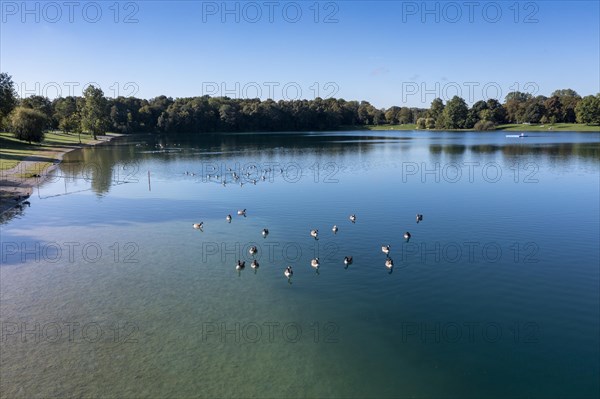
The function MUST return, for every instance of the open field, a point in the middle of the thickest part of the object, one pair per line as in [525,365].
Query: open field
[13,151]
[21,163]
[559,127]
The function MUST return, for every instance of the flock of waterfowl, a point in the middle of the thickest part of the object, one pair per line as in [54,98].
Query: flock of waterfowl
[249,174]
[314,233]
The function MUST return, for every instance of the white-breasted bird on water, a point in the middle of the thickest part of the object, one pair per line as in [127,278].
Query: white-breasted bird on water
[315,263]
[419,217]
[385,249]
[334,229]
[241,212]
[198,226]
[353,218]
[240,265]
[288,272]
[347,260]
[407,236]
[228,218]
[253,250]
[265,233]
[389,263]
[254,264]
[314,233]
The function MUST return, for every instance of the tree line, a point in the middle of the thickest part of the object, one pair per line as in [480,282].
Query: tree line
[95,114]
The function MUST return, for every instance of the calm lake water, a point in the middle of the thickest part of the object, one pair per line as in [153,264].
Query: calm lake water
[107,290]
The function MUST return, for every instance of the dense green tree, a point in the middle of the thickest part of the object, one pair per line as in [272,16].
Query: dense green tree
[516,104]
[392,115]
[554,110]
[66,113]
[455,113]
[475,113]
[28,124]
[94,115]
[405,116]
[497,112]
[588,110]
[8,97]
[436,109]
[569,100]
[39,103]
[534,110]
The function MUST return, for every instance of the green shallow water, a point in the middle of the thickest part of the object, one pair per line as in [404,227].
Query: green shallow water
[107,290]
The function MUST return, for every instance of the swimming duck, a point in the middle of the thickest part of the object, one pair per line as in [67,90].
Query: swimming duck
[198,226]
[228,218]
[315,263]
[334,229]
[389,263]
[240,265]
[407,236]
[314,233]
[254,264]
[385,249]
[353,218]
[347,260]
[253,250]
[265,233]
[288,272]
[241,212]
[419,217]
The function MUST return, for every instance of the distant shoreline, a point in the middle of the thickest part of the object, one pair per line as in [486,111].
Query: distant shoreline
[557,127]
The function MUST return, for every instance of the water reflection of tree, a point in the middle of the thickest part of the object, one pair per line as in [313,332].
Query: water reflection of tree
[102,166]
[560,150]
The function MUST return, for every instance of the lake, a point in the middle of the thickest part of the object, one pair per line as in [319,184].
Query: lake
[107,289]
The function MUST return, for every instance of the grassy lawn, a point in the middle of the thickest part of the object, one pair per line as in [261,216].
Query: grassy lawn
[557,127]
[13,151]
[408,126]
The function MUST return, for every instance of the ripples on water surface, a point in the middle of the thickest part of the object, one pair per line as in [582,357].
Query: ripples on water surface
[107,290]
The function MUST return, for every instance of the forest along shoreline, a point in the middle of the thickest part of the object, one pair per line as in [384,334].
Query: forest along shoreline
[17,183]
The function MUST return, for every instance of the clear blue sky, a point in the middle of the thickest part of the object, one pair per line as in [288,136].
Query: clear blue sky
[387,52]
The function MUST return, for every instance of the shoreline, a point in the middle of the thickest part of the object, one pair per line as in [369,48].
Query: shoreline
[16,188]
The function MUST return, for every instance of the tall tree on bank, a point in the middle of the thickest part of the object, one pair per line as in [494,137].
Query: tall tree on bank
[28,124]
[588,110]
[515,104]
[569,100]
[8,97]
[42,104]
[94,115]
[455,113]
[435,114]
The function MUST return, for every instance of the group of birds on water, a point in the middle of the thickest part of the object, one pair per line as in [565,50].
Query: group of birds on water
[250,174]
[314,233]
